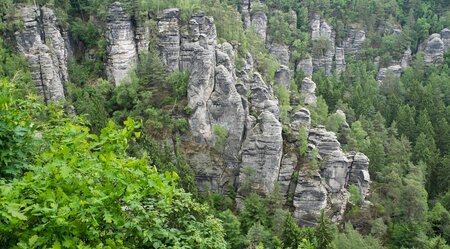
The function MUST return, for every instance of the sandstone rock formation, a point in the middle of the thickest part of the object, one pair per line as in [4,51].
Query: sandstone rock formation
[395,70]
[306,66]
[169,38]
[309,91]
[434,50]
[323,39]
[280,52]
[42,43]
[339,59]
[283,76]
[355,40]
[259,24]
[121,49]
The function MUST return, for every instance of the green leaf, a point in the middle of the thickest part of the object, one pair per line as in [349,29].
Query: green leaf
[14,211]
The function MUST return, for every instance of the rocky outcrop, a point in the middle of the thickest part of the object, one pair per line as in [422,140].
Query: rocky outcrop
[310,198]
[355,40]
[395,70]
[339,59]
[434,50]
[42,43]
[201,81]
[280,52]
[323,40]
[169,38]
[288,164]
[326,188]
[300,118]
[406,59]
[445,37]
[306,66]
[262,150]
[121,49]
[259,24]
[283,76]
[226,109]
[309,91]
[359,172]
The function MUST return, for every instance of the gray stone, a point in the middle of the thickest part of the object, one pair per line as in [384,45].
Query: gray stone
[322,32]
[355,40]
[169,38]
[280,52]
[309,91]
[445,37]
[262,150]
[283,77]
[262,97]
[434,50]
[288,165]
[406,59]
[309,199]
[359,172]
[121,49]
[301,118]
[339,59]
[259,24]
[306,66]
[42,43]
[395,70]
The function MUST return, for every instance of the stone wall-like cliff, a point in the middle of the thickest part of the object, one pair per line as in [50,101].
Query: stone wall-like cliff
[234,122]
[42,42]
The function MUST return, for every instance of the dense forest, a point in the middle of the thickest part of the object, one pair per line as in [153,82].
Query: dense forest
[112,163]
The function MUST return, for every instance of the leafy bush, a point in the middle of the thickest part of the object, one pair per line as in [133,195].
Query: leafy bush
[83,190]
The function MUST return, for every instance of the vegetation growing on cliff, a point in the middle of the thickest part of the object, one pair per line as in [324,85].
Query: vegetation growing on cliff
[69,181]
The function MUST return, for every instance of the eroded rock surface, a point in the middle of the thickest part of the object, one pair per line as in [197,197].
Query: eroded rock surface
[355,40]
[395,70]
[169,38]
[121,49]
[306,66]
[42,43]
[323,39]
[259,24]
[309,91]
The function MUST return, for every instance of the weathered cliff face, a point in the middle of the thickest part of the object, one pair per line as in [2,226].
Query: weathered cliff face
[309,91]
[306,66]
[122,48]
[355,40]
[42,43]
[323,39]
[235,116]
[169,38]
[435,47]
[395,70]
[259,24]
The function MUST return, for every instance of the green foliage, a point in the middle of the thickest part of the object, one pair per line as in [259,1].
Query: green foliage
[258,236]
[232,229]
[355,195]
[351,239]
[319,112]
[302,141]
[83,190]
[283,96]
[254,212]
[221,135]
[324,232]
[18,131]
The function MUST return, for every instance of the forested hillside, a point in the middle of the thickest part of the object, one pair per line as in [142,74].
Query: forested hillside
[225,124]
